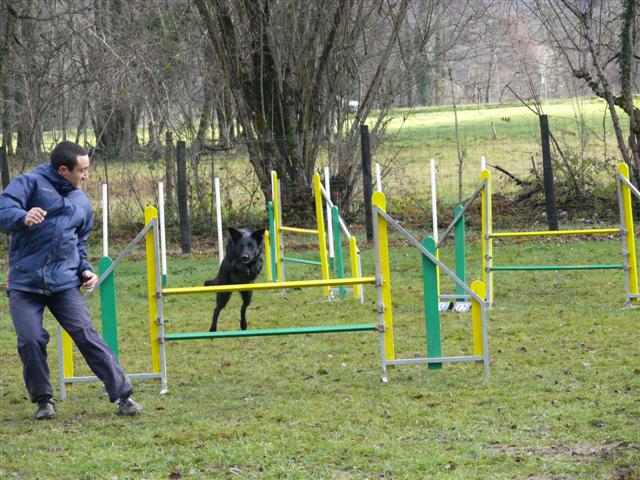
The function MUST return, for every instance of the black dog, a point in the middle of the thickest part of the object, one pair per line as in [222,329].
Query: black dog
[241,264]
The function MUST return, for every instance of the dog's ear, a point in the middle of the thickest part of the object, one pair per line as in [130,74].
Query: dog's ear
[235,234]
[258,234]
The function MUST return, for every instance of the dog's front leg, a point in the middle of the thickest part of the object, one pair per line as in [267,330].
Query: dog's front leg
[221,301]
[246,301]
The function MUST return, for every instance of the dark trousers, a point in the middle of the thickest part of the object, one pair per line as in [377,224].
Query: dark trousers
[69,309]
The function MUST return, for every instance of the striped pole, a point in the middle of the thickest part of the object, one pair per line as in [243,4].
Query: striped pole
[629,243]
[267,256]
[460,251]
[355,265]
[108,306]
[434,215]
[163,238]
[218,220]
[476,318]
[487,230]
[339,265]
[150,214]
[272,239]
[385,310]
[277,222]
[322,241]
[105,220]
[431,310]
[330,228]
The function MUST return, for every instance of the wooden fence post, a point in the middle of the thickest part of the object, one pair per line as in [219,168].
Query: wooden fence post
[365,148]
[183,208]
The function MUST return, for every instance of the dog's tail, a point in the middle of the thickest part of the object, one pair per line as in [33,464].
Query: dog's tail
[213,281]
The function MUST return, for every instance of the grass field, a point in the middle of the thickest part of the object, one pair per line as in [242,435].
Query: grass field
[561,402]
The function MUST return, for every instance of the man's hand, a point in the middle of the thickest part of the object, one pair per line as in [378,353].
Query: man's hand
[90,280]
[34,216]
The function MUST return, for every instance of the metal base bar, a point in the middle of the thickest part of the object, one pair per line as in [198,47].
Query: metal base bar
[272,331]
[451,295]
[301,260]
[559,267]
[422,361]
[132,376]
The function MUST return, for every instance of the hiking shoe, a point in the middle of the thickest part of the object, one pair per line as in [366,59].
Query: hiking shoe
[46,410]
[128,406]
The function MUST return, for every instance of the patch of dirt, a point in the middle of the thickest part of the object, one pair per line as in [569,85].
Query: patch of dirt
[561,450]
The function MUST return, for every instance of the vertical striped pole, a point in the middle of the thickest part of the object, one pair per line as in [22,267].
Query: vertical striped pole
[277,234]
[267,256]
[272,239]
[460,251]
[434,216]
[355,265]
[105,220]
[476,318]
[67,354]
[322,241]
[487,242]
[382,259]
[431,298]
[163,237]
[219,220]
[108,306]
[629,236]
[330,229]
[335,217]
[151,213]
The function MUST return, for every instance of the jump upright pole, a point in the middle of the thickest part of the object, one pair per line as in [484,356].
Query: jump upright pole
[383,278]
[154,298]
[628,241]
[487,238]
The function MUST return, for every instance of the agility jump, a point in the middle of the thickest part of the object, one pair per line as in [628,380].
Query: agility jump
[274,242]
[382,281]
[106,286]
[625,230]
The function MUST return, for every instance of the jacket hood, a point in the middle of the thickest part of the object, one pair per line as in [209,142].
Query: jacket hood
[62,184]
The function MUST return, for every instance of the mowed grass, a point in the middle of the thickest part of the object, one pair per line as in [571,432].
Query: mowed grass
[561,401]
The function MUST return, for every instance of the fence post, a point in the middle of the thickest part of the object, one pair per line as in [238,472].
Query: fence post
[169,170]
[365,149]
[4,167]
[183,209]
[547,172]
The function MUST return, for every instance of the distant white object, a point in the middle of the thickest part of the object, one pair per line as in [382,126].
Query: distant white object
[353,105]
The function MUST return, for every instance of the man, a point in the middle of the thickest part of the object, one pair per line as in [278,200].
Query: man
[49,219]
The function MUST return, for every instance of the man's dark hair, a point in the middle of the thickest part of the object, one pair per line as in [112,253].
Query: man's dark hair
[66,153]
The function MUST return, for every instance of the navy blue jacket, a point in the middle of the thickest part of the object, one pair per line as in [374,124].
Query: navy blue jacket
[51,256]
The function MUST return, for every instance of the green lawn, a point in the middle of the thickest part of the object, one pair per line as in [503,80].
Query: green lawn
[561,401]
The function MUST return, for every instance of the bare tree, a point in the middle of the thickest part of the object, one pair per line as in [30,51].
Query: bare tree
[287,63]
[593,36]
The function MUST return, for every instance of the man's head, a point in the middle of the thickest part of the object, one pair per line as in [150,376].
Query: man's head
[71,161]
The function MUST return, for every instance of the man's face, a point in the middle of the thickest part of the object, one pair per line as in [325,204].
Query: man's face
[79,173]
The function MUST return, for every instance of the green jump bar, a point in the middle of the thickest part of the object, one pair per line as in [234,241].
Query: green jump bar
[272,331]
[560,267]
[301,260]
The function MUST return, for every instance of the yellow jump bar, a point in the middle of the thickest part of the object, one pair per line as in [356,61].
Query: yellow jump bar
[593,231]
[270,286]
[299,230]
